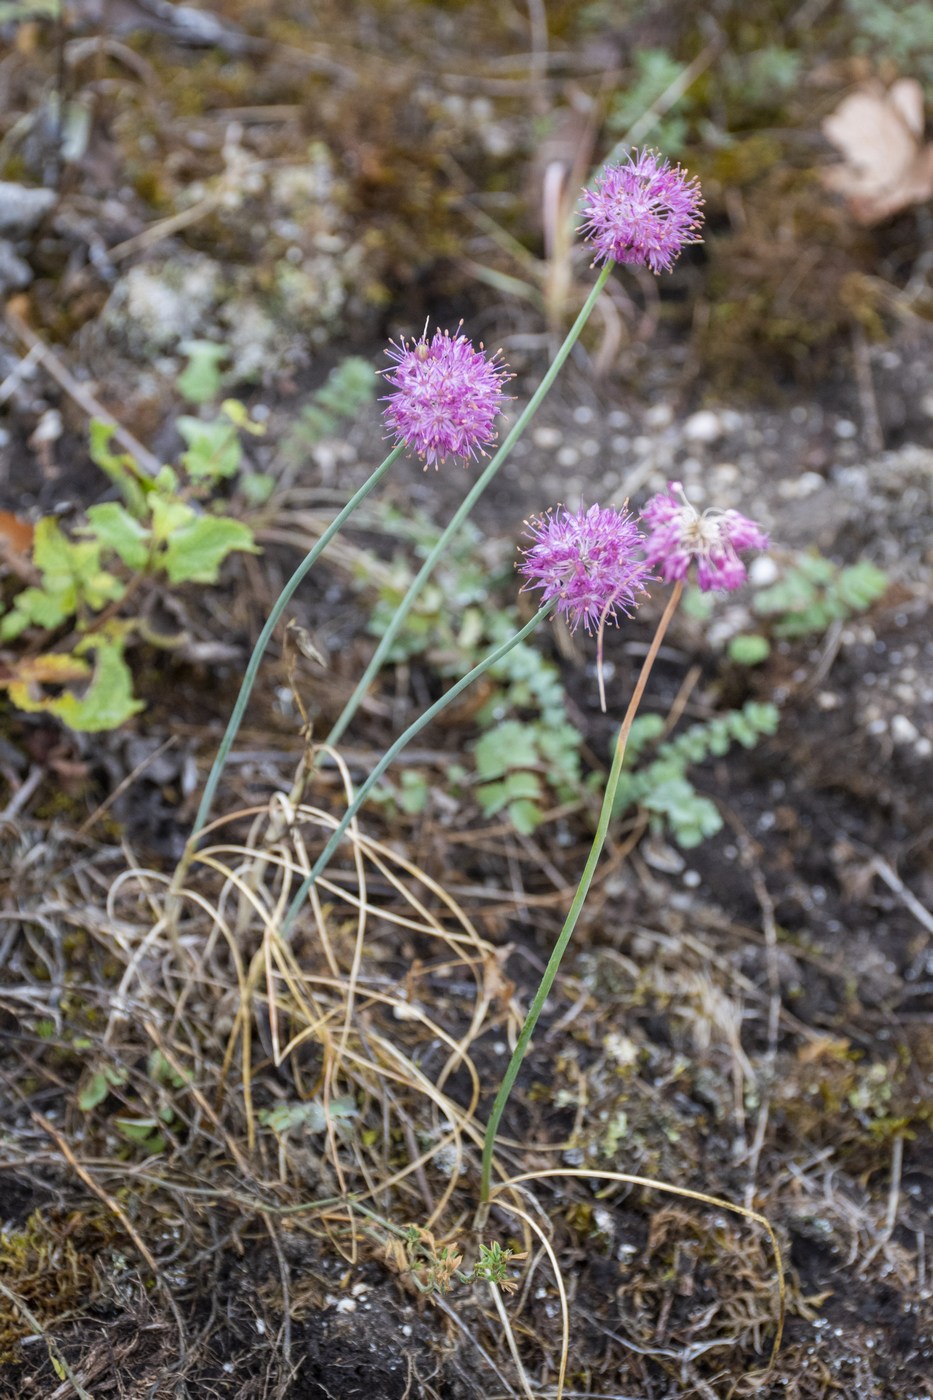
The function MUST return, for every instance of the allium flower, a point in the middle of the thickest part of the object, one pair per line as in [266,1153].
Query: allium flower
[679,534]
[587,561]
[446,399]
[642,211]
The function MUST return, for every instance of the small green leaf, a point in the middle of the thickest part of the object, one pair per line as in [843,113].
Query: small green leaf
[510,745]
[239,416]
[99,1086]
[861,585]
[200,380]
[94,1092]
[523,784]
[257,487]
[195,552]
[214,450]
[749,649]
[492,797]
[142,1132]
[120,467]
[413,796]
[116,529]
[169,516]
[525,816]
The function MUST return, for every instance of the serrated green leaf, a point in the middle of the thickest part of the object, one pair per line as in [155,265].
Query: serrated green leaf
[195,552]
[118,530]
[861,585]
[509,745]
[816,568]
[492,797]
[214,450]
[108,701]
[523,784]
[645,729]
[792,595]
[763,715]
[169,516]
[525,816]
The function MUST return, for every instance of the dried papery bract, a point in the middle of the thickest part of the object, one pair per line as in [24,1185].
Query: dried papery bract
[679,535]
[643,211]
[447,397]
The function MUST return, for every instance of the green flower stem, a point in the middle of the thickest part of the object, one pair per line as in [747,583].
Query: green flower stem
[586,879]
[252,669]
[427,568]
[400,743]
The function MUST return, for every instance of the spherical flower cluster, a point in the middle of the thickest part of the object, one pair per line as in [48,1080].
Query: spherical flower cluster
[588,561]
[642,211]
[679,534]
[446,399]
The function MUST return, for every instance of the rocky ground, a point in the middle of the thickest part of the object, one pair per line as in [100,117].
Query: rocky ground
[183,1209]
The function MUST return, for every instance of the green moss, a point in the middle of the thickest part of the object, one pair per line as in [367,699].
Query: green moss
[50,1265]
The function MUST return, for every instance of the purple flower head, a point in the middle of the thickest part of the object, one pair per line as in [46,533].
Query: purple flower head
[446,399]
[679,534]
[643,211]
[587,561]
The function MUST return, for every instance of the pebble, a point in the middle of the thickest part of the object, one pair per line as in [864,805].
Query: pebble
[762,571]
[546,438]
[903,730]
[704,426]
[21,207]
[14,272]
[659,415]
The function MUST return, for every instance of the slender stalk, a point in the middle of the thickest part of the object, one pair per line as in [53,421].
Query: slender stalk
[252,669]
[403,739]
[427,568]
[586,879]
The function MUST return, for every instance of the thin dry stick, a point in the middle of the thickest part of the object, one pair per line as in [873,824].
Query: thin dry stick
[121,787]
[561,1290]
[512,1345]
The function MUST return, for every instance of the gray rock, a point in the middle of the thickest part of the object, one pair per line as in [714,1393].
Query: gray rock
[22,206]
[14,272]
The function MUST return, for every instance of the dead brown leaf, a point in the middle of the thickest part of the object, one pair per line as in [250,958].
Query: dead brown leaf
[887,166]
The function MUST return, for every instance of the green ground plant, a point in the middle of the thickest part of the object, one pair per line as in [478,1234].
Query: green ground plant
[527,757]
[87,604]
[661,785]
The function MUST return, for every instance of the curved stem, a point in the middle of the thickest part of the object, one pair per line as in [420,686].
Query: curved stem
[427,568]
[252,669]
[400,743]
[586,879]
